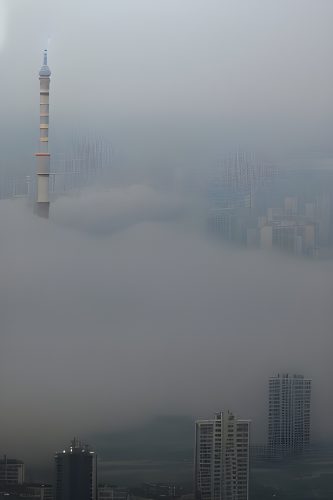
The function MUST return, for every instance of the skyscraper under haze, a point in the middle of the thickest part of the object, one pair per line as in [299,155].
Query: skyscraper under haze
[76,473]
[222,458]
[288,415]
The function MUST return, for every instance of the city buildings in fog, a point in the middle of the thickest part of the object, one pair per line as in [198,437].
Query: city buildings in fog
[76,473]
[111,492]
[222,446]
[287,211]
[84,162]
[13,485]
[39,491]
[288,415]
[12,471]
[28,491]
[161,490]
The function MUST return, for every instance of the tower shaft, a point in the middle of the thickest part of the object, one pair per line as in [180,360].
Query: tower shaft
[43,156]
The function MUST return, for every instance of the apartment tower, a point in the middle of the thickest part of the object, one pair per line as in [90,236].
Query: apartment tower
[288,415]
[222,458]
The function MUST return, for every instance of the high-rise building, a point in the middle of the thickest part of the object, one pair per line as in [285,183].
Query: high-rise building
[222,458]
[76,473]
[288,415]
[11,470]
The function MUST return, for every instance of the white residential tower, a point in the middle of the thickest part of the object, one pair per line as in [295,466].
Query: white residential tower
[222,458]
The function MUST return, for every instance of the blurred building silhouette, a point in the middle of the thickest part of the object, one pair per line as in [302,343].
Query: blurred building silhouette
[39,491]
[11,471]
[111,492]
[161,490]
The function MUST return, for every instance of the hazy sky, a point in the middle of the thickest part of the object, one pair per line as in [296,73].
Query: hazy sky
[115,309]
[181,80]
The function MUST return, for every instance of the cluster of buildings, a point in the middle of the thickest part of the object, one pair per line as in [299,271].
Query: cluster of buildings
[13,485]
[222,455]
[222,444]
[75,478]
[295,216]
[297,230]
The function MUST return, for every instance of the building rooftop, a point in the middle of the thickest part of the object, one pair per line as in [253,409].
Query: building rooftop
[10,461]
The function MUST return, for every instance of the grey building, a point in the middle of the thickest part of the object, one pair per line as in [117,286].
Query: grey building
[38,491]
[11,470]
[288,415]
[222,458]
[76,473]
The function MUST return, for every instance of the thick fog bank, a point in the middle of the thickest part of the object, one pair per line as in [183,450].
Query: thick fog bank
[152,318]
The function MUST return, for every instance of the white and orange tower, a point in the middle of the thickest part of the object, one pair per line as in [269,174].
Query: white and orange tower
[43,156]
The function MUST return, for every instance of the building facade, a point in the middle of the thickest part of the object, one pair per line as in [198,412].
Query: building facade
[76,473]
[11,471]
[222,447]
[288,415]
